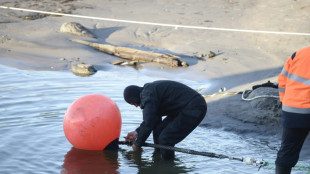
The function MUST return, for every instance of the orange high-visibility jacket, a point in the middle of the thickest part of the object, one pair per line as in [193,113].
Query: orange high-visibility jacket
[294,83]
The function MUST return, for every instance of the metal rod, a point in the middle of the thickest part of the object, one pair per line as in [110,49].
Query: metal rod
[194,152]
[208,154]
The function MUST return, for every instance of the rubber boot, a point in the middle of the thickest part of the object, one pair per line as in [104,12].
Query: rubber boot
[167,154]
[283,170]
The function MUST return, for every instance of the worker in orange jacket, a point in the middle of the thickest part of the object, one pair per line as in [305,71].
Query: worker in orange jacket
[294,91]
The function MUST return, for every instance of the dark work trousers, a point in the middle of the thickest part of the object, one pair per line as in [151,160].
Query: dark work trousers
[174,129]
[292,142]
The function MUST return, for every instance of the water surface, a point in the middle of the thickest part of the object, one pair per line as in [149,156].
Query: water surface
[32,107]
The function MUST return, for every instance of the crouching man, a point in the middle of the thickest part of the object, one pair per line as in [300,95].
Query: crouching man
[183,107]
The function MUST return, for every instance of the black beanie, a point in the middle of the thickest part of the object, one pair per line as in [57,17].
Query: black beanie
[132,94]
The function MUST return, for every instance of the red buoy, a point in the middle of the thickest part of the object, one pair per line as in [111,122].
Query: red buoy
[92,122]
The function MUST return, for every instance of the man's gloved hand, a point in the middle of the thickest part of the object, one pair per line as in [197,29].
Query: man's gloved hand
[131,136]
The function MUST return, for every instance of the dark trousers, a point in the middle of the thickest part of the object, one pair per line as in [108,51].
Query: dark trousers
[173,129]
[292,142]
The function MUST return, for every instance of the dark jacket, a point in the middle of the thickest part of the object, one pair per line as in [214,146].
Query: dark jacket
[162,98]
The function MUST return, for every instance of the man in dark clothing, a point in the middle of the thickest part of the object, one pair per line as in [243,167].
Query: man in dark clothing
[183,107]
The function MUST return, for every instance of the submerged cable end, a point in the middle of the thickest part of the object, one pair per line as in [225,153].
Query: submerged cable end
[254,161]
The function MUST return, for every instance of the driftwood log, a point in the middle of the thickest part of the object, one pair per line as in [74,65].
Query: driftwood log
[136,55]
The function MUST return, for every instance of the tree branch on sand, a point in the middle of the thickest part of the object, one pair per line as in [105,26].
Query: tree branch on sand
[137,55]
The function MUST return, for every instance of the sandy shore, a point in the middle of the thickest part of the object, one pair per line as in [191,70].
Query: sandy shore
[33,41]
[242,57]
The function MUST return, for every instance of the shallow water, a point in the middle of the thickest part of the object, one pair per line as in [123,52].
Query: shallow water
[32,106]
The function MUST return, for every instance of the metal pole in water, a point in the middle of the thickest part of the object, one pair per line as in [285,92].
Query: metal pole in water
[194,152]
[246,160]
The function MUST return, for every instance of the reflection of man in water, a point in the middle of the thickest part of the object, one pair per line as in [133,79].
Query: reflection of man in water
[107,161]
[183,107]
[156,164]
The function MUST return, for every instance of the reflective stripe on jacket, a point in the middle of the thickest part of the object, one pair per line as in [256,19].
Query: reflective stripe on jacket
[294,83]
